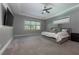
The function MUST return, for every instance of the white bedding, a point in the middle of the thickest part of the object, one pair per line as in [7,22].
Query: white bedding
[59,36]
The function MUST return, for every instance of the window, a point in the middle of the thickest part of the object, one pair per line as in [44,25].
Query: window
[32,25]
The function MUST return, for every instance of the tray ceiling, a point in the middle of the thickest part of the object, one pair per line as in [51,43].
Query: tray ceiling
[35,9]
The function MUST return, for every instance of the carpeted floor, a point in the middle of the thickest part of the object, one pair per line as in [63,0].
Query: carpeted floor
[39,45]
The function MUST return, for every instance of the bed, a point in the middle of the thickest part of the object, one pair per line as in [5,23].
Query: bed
[60,36]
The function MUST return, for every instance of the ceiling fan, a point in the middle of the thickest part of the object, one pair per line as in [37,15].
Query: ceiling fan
[46,9]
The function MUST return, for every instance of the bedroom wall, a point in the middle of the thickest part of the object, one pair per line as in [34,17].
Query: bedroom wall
[0,14]
[19,25]
[50,22]
[6,32]
[74,20]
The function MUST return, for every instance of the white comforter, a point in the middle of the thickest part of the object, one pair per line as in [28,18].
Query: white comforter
[59,36]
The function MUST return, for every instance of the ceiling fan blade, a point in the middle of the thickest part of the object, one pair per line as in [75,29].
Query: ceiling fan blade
[49,8]
[47,11]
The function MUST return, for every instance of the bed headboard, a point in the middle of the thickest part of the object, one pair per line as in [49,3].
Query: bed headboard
[69,30]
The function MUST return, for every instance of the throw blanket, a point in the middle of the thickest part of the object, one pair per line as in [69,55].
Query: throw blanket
[60,35]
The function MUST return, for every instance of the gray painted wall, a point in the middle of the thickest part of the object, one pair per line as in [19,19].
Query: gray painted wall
[19,25]
[0,14]
[50,23]
[5,31]
[74,20]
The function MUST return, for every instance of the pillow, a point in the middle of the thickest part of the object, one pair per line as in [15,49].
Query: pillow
[56,30]
[53,30]
[64,30]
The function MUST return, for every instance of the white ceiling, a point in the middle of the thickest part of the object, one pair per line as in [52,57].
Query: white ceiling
[35,9]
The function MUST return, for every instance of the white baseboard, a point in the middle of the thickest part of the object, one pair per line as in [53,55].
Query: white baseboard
[20,35]
[25,34]
[5,46]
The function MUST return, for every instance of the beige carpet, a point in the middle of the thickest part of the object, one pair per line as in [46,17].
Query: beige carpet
[39,45]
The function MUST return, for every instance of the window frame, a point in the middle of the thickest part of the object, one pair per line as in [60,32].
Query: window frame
[30,25]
